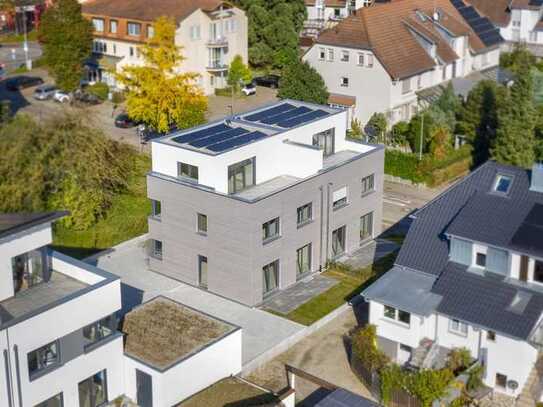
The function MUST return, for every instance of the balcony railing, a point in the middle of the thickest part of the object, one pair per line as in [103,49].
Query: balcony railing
[216,66]
[217,42]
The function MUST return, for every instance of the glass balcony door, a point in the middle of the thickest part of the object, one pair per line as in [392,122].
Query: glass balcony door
[29,269]
[216,59]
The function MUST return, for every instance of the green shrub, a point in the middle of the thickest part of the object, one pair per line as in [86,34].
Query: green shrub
[458,359]
[364,342]
[117,97]
[99,89]
[403,165]
[475,378]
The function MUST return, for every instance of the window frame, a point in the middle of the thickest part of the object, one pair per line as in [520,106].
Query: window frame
[276,268]
[330,55]
[367,184]
[478,256]
[458,330]
[156,208]
[343,235]
[110,321]
[188,171]
[322,53]
[156,253]
[498,379]
[345,56]
[341,202]
[239,168]
[150,31]
[266,228]
[361,59]
[201,261]
[300,219]
[299,251]
[98,20]
[103,373]
[538,268]
[497,183]
[201,223]
[113,23]
[367,220]
[40,371]
[60,397]
[344,82]
[130,24]
[394,314]
[491,336]
[370,61]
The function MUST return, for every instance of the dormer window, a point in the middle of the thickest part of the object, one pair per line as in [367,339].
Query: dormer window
[503,184]
[480,260]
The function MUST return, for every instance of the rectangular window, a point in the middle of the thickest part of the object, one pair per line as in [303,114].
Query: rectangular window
[338,241]
[502,184]
[533,36]
[131,51]
[480,259]
[325,141]
[303,260]
[150,31]
[339,198]
[93,391]
[55,401]
[397,315]
[345,56]
[501,380]
[156,208]
[270,277]
[390,312]
[29,269]
[270,229]
[202,271]
[304,214]
[419,81]
[241,176]
[370,61]
[156,249]
[538,271]
[195,32]
[42,358]
[98,24]
[322,54]
[330,54]
[491,336]
[187,171]
[99,330]
[368,184]
[361,59]
[406,86]
[366,227]
[344,82]
[134,29]
[202,223]
[404,317]
[457,327]
[113,24]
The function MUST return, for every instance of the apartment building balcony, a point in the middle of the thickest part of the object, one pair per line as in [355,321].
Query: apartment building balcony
[216,66]
[217,42]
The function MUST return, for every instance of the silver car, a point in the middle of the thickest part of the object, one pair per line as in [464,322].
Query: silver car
[45,92]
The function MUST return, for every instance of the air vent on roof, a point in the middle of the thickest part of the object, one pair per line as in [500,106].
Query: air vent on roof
[421,16]
[520,301]
[536,183]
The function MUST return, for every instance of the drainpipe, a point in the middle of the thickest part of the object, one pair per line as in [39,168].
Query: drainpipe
[321,227]
[7,362]
[328,218]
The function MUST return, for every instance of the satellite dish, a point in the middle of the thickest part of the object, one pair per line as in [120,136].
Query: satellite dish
[512,384]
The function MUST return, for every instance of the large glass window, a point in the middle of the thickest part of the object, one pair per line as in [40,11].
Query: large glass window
[98,24]
[93,391]
[368,184]
[366,226]
[113,24]
[503,183]
[187,170]
[304,214]
[99,330]
[241,175]
[202,271]
[55,401]
[270,229]
[270,277]
[303,260]
[29,269]
[134,29]
[43,358]
[156,208]
[338,241]
[458,327]
[325,141]
[397,315]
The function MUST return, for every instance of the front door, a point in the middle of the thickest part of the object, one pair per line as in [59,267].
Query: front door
[144,385]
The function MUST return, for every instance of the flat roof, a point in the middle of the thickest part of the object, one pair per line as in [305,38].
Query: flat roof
[233,132]
[163,332]
[11,223]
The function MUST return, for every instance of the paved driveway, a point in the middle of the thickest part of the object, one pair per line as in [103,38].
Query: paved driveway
[261,330]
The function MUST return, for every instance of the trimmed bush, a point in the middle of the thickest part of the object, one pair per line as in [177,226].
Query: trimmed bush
[99,89]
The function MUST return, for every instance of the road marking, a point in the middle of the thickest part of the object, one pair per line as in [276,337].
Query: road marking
[394,202]
[393,198]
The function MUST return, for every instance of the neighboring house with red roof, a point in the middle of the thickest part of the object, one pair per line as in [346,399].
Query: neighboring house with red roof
[323,14]
[211,32]
[383,55]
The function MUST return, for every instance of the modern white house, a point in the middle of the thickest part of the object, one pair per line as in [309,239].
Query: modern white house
[58,339]
[377,59]
[470,274]
[519,21]
[254,203]
[210,33]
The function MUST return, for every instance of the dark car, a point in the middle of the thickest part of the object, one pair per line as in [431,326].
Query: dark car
[124,121]
[269,81]
[21,82]
[81,97]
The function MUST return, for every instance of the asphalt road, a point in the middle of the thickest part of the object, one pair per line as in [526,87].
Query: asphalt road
[13,55]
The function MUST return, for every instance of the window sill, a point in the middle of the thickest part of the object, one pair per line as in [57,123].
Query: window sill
[154,256]
[338,207]
[204,234]
[304,223]
[460,334]
[270,239]
[155,218]
[367,193]
[45,371]
[104,341]
[365,241]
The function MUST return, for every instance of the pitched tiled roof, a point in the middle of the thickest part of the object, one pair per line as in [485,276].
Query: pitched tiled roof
[342,100]
[524,4]
[328,3]
[496,10]
[387,30]
[144,11]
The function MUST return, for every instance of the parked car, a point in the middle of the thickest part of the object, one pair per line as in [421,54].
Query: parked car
[269,81]
[249,89]
[124,121]
[83,97]
[45,92]
[61,96]
[22,82]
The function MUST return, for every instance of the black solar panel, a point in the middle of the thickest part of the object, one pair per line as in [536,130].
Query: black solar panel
[469,13]
[314,114]
[287,115]
[458,3]
[255,117]
[537,3]
[235,142]
[218,137]
[187,138]
[491,37]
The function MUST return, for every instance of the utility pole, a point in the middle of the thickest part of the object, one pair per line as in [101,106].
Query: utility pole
[28,62]
[421,135]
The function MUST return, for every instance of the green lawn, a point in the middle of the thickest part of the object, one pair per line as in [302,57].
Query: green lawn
[351,282]
[127,218]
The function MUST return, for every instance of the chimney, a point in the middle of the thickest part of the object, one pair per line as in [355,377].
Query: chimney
[537,178]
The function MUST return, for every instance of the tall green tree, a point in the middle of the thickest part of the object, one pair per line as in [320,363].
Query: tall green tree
[238,73]
[67,42]
[158,94]
[515,135]
[301,81]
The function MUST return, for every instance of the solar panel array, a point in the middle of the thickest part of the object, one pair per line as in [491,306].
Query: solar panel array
[485,30]
[218,138]
[286,115]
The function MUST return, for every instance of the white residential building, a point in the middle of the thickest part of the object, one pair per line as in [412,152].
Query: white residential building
[470,274]
[58,339]
[210,33]
[379,58]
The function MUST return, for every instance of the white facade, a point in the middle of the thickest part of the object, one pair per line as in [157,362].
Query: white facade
[58,320]
[524,26]
[191,375]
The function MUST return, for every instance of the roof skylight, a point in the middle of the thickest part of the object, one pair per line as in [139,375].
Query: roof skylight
[503,184]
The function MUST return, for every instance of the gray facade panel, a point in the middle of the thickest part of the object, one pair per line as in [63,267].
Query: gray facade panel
[233,244]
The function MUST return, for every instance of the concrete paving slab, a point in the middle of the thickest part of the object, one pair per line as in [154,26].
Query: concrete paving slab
[261,330]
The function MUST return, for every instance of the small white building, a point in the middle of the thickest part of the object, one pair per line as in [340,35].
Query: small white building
[470,275]
[382,55]
[58,339]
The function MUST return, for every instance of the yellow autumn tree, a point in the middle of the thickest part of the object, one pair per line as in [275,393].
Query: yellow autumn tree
[158,94]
